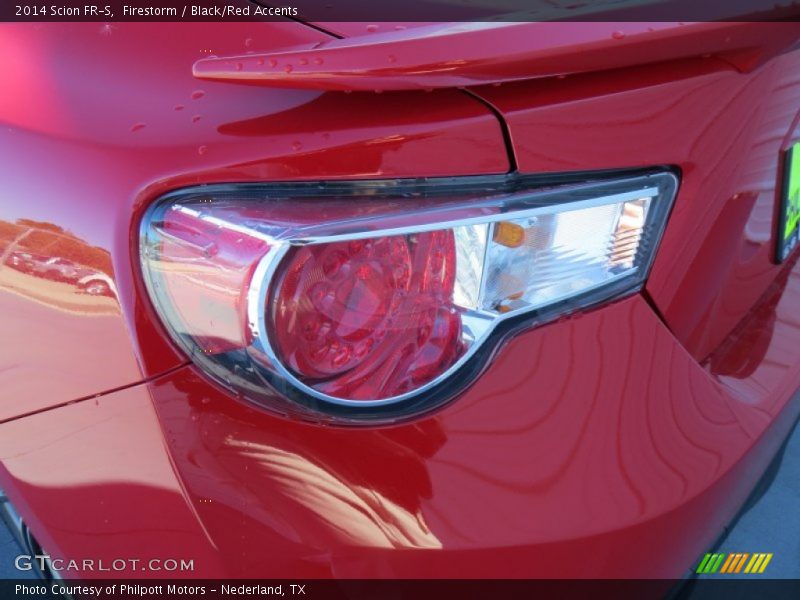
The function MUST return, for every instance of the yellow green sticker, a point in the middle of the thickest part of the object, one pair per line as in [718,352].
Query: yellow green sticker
[793,194]
[791,203]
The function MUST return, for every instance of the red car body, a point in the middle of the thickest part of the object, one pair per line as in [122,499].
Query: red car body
[618,442]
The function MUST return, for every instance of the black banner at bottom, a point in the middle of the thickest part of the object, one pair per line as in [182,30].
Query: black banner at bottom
[399,589]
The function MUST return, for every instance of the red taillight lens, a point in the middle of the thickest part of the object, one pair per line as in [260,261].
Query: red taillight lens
[360,301]
[368,319]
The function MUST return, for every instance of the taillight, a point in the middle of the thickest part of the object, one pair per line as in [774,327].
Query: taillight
[368,319]
[377,300]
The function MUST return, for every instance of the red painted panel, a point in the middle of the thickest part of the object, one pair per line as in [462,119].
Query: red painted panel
[587,436]
[94,481]
[105,118]
[467,54]
[724,129]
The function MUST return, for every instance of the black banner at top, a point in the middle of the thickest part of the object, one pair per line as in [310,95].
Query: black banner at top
[398,10]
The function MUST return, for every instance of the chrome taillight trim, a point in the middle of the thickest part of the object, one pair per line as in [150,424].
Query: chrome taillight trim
[263,276]
[489,329]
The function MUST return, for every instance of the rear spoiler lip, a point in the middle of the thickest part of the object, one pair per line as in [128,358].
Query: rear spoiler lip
[470,54]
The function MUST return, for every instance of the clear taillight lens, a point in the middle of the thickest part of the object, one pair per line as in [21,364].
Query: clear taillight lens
[361,300]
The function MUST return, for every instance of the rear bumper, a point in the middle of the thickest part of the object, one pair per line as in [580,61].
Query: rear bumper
[592,447]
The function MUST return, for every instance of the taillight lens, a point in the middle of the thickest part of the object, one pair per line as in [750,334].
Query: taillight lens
[360,301]
[368,319]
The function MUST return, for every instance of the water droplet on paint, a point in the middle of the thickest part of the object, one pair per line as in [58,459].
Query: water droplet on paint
[296,146]
[137,127]
[202,150]
[618,35]
[372,28]
[195,118]
[197,94]
[288,68]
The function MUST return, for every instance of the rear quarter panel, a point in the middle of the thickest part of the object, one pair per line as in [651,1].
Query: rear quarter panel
[104,118]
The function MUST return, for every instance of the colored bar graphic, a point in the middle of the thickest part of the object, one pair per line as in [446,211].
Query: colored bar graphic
[734,562]
[752,562]
[717,564]
[703,563]
[765,563]
[728,563]
[711,562]
[757,565]
[741,563]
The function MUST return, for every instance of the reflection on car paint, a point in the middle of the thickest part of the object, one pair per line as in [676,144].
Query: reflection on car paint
[46,251]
